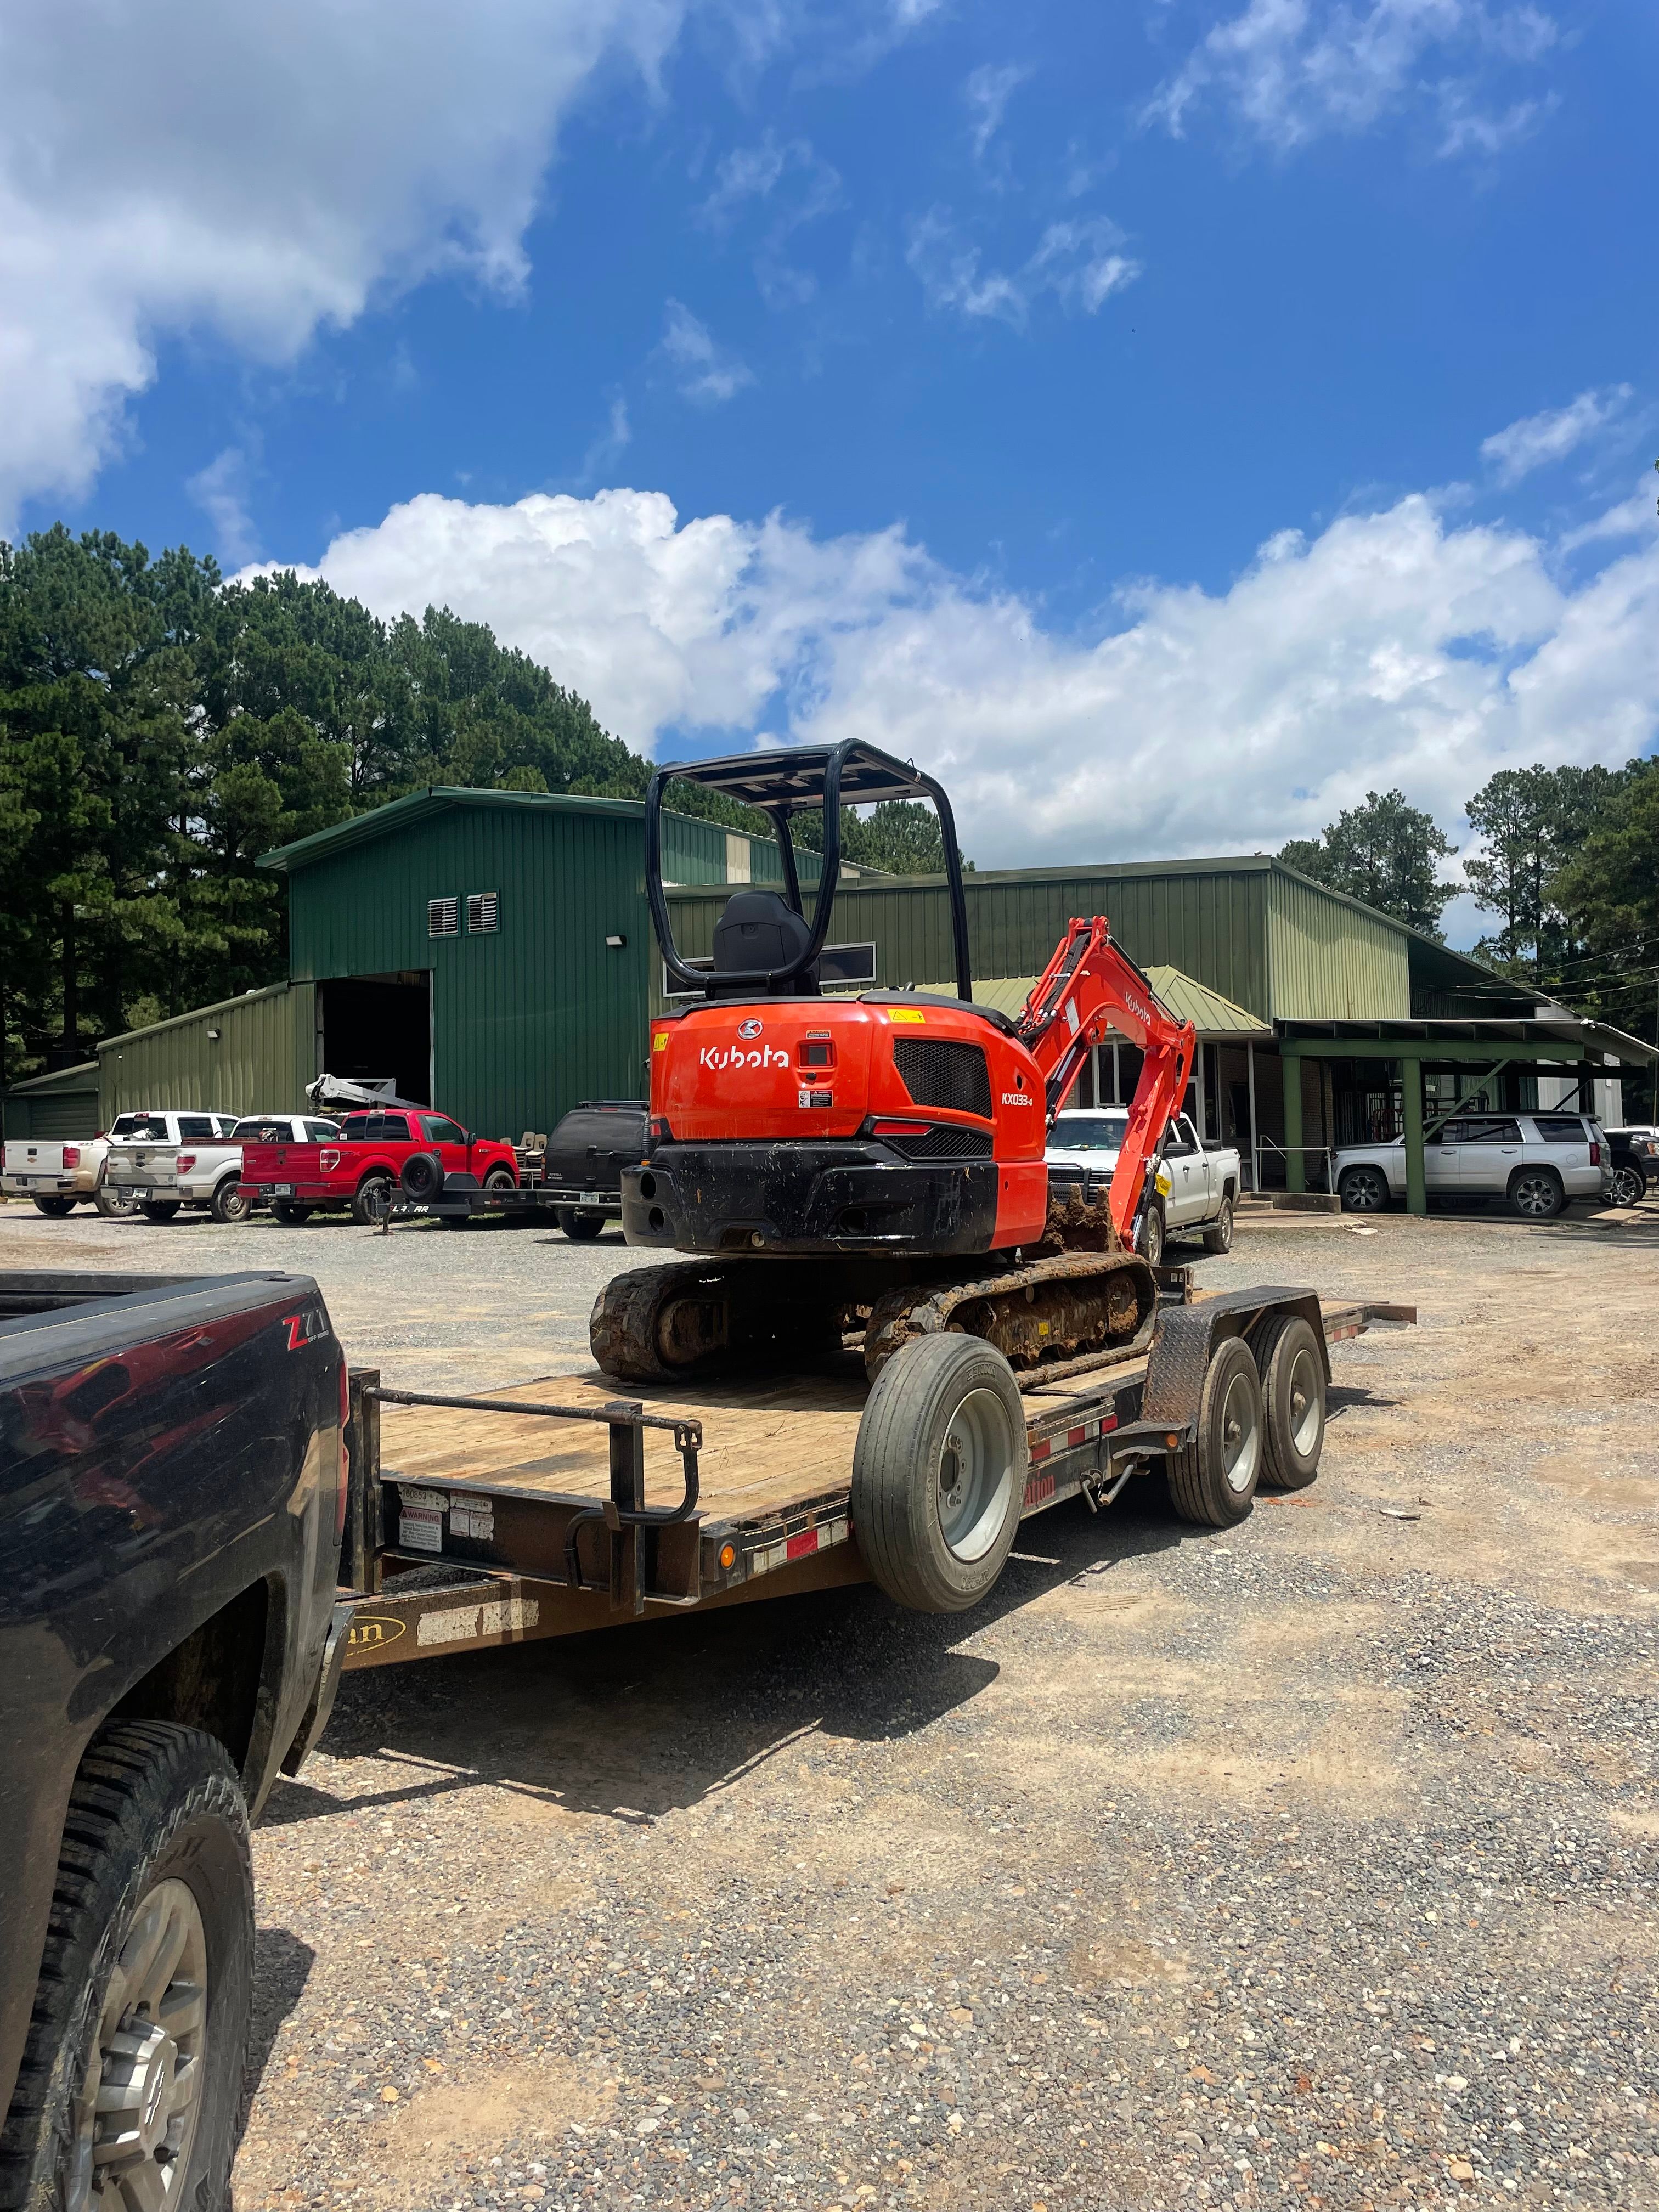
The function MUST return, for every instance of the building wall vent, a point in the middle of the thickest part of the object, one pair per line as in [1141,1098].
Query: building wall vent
[443,918]
[483,912]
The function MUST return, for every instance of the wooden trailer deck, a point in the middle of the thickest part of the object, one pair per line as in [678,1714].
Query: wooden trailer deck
[557,1506]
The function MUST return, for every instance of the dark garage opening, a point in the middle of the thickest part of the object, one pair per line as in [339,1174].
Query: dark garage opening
[376,1026]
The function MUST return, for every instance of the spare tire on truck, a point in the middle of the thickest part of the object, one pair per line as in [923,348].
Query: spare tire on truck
[938,1472]
[423,1176]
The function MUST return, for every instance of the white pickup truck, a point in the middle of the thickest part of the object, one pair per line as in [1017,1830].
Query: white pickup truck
[59,1175]
[1198,1186]
[162,1161]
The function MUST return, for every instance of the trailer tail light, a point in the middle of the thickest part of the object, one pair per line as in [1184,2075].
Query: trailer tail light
[900,1129]
[1596,1156]
[72,1156]
[346,1457]
[187,1161]
[328,1158]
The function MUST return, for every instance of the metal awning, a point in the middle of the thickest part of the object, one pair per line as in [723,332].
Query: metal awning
[1216,1020]
[1556,1035]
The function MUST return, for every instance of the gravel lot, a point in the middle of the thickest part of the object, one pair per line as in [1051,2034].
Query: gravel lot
[1311,1860]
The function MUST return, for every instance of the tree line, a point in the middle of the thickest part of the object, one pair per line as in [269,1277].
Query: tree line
[159,730]
[1569,871]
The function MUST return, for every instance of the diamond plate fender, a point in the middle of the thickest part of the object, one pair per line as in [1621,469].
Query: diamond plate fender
[1188,1335]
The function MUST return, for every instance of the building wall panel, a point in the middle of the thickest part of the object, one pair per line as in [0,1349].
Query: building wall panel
[1332,960]
[260,1062]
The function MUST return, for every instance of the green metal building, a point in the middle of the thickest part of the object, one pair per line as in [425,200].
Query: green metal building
[491,953]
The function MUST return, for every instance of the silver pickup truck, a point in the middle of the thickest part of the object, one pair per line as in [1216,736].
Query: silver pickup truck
[1198,1185]
[160,1161]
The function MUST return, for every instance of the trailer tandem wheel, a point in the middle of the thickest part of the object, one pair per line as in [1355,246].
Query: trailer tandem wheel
[1213,1480]
[939,1473]
[1288,1359]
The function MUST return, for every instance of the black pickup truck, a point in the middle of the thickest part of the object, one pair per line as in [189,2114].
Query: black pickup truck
[172,1492]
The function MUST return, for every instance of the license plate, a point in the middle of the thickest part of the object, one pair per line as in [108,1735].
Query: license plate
[282,1190]
[23,1182]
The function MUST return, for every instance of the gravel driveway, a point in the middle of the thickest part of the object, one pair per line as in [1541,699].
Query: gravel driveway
[1310,1861]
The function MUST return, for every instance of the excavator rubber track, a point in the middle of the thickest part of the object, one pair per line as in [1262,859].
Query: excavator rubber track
[1055,1309]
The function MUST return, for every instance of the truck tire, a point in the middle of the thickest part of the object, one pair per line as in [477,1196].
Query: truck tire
[1213,1479]
[1218,1236]
[114,1203]
[1629,1185]
[159,1209]
[1536,1194]
[422,1176]
[55,1206]
[1154,1235]
[1363,1190]
[581,1224]
[939,1473]
[146,1983]
[288,1212]
[371,1201]
[230,1203]
[1288,1359]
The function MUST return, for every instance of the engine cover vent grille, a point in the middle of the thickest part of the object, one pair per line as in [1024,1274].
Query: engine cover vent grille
[944,1144]
[938,1072]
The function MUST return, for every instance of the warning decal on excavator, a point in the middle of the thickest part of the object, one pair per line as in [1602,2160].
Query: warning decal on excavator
[904,1014]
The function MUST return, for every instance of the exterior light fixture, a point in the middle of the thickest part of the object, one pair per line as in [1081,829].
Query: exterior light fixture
[615,943]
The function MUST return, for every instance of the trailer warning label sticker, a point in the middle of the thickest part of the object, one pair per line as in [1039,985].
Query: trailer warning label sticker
[472,1516]
[421,1519]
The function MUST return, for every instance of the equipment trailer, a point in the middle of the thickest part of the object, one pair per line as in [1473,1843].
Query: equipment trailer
[528,1507]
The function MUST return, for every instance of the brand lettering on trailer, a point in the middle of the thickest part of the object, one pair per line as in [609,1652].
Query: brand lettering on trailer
[734,1055]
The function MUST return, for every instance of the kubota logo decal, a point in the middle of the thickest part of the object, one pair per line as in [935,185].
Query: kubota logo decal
[734,1055]
[748,1029]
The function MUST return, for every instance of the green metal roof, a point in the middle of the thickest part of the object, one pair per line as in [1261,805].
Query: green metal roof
[401,813]
[60,1079]
[1210,1014]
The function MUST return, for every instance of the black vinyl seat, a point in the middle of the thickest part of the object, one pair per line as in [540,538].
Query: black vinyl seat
[757,933]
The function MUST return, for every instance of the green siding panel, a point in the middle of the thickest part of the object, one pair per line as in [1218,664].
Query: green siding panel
[261,1060]
[1332,960]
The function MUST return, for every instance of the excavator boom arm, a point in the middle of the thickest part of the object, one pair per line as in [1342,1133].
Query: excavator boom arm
[1089,987]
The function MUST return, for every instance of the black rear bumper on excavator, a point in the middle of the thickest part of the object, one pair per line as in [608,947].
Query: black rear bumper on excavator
[857,1196]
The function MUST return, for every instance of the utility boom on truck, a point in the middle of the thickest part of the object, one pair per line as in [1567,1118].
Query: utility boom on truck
[877,1160]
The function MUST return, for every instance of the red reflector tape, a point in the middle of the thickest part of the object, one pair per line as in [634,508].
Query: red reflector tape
[1042,1450]
[1079,1435]
[1108,1424]
[799,1547]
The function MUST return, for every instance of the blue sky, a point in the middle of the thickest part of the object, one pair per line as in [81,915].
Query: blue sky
[1037,331]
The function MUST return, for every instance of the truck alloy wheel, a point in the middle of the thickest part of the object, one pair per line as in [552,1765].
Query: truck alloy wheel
[131,2084]
[1218,1237]
[230,1202]
[114,1203]
[939,1473]
[1629,1186]
[1365,1190]
[373,1201]
[1152,1234]
[1536,1194]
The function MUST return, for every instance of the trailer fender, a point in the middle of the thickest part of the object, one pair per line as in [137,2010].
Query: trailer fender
[1188,1338]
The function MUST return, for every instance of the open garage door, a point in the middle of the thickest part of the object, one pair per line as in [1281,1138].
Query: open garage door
[378,1026]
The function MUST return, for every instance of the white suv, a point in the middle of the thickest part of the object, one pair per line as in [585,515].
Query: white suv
[1537,1161]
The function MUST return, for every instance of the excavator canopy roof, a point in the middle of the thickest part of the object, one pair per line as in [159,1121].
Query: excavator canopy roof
[793,781]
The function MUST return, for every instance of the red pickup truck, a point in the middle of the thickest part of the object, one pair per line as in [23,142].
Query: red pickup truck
[363,1167]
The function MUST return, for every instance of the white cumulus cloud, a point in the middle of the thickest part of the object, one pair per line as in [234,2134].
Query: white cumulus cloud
[1537,441]
[250,173]
[1393,648]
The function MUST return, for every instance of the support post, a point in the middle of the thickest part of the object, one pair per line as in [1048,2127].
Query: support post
[1411,1116]
[1256,1142]
[1295,1177]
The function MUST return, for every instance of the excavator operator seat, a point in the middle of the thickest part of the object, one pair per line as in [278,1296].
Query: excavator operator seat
[759,931]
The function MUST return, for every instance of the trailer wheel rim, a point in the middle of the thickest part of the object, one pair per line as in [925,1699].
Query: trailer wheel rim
[1241,1432]
[976,1475]
[136,2113]
[1305,1379]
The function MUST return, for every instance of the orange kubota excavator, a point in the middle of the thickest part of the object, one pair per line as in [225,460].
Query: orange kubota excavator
[874,1160]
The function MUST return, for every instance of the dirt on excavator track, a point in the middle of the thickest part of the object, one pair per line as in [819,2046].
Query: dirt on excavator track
[1079,1291]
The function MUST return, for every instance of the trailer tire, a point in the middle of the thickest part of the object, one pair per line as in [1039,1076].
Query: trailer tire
[154,1866]
[1218,1236]
[1212,1481]
[54,1206]
[581,1224]
[939,1473]
[1288,1359]
[288,1212]
[159,1209]
[371,1201]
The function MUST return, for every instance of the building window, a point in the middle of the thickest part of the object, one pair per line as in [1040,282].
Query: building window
[483,912]
[442,919]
